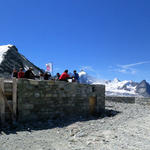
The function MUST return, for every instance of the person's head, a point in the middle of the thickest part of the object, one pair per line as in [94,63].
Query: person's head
[74,71]
[30,68]
[21,69]
[66,71]
[14,70]
[58,74]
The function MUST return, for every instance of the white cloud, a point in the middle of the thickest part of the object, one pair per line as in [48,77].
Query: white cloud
[122,70]
[129,68]
[133,65]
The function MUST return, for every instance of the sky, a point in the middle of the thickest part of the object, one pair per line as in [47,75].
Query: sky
[106,38]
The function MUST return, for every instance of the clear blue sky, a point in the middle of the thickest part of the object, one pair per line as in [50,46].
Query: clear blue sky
[108,38]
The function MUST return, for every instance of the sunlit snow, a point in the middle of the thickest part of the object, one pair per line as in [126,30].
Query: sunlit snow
[114,87]
[3,50]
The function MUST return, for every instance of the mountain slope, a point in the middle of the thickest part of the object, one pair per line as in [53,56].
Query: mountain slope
[10,58]
[143,88]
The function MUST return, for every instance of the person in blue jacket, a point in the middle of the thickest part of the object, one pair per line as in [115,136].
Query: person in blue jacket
[75,76]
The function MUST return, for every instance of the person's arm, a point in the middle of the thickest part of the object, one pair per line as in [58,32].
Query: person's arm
[68,77]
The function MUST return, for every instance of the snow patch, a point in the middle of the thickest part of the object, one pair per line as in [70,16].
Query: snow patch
[3,50]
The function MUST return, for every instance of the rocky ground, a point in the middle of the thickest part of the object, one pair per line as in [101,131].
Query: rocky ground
[124,127]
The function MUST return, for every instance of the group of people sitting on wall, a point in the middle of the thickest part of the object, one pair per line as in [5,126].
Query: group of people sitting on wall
[45,76]
[65,76]
[21,74]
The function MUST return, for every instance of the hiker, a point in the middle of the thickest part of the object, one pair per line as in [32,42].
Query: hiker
[15,73]
[64,76]
[57,76]
[75,76]
[41,76]
[47,76]
[29,74]
[21,73]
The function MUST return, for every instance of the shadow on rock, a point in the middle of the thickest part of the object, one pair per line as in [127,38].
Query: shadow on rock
[111,113]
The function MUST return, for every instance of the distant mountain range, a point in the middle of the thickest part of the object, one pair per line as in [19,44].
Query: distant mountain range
[10,58]
[119,88]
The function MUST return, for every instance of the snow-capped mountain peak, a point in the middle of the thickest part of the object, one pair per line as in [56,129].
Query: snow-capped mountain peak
[82,73]
[116,80]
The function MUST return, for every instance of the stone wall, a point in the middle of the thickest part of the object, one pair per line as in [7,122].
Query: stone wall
[132,100]
[120,99]
[38,100]
[142,101]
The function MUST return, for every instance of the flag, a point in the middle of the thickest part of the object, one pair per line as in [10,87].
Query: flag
[49,67]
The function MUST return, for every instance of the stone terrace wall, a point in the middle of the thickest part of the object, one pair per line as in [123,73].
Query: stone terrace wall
[133,100]
[49,99]
[142,101]
[120,99]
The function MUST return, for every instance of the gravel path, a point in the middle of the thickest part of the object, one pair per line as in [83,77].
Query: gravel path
[126,127]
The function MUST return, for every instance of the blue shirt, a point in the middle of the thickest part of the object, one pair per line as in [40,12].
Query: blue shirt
[76,76]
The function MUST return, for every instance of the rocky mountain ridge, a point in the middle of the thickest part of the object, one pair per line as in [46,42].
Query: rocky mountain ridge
[10,58]
[143,88]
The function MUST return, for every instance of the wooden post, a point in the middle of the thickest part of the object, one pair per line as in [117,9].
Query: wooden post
[14,98]
[2,102]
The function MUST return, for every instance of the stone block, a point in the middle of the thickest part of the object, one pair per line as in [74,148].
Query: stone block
[36,95]
[26,113]
[48,95]
[27,106]
[34,82]
[51,82]
[55,95]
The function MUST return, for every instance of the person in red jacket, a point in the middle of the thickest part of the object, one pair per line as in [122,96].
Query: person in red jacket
[65,76]
[21,73]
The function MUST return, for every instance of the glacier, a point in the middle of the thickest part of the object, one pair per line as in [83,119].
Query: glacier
[114,87]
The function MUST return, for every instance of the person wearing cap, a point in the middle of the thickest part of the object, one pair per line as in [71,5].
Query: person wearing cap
[29,74]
